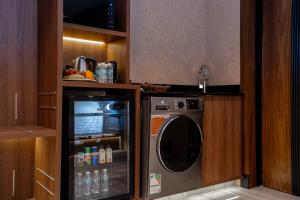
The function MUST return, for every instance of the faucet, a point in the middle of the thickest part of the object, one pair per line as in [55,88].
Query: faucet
[203,77]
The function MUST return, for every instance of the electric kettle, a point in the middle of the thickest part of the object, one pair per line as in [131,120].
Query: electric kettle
[83,64]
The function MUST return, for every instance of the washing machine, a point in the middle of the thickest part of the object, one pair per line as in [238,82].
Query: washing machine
[171,144]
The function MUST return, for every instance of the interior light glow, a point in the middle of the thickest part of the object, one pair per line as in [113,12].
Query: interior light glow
[233,198]
[82,40]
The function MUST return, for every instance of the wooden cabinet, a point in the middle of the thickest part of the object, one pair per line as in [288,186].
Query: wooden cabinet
[18,62]
[7,167]
[222,129]
[16,169]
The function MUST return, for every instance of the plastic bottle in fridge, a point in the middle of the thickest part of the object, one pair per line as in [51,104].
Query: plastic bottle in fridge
[109,155]
[78,185]
[87,185]
[105,181]
[96,182]
[101,155]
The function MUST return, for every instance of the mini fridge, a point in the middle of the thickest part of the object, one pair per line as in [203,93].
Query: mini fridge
[97,145]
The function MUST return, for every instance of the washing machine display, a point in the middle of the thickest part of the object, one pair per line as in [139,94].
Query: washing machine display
[179,143]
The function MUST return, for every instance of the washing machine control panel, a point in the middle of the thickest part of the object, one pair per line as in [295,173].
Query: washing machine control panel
[192,104]
[188,104]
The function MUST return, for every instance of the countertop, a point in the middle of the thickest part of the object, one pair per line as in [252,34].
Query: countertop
[224,90]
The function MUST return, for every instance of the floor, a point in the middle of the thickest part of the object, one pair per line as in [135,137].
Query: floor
[234,193]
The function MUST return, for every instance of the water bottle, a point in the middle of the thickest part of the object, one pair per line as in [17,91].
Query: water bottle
[78,185]
[96,182]
[87,184]
[109,73]
[105,181]
[101,73]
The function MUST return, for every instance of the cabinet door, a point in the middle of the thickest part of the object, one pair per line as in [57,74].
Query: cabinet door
[7,169]
[24,165]
[222,131]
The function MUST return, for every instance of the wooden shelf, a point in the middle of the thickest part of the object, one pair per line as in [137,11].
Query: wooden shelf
[25,132]
[85,84]
[91,33]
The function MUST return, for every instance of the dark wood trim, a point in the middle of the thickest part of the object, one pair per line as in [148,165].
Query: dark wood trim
[276,95]
[296,98]
[248,84]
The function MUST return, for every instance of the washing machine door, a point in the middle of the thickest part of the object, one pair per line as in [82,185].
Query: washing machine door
[179,143]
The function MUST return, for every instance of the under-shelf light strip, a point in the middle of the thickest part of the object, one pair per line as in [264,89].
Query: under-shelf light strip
[82,40]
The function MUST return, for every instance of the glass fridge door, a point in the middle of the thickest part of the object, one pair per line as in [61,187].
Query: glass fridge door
[99,149]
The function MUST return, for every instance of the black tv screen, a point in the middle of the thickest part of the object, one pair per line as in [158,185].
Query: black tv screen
[94,13]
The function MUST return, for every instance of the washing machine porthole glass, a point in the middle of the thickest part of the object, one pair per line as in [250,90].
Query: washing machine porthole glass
[179,143]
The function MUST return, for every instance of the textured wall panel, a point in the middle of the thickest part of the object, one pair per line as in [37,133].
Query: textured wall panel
[170,39]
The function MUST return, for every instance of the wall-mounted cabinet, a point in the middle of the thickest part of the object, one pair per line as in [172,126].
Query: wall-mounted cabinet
[99,43]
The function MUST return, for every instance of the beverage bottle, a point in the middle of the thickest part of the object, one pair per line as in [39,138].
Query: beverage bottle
[105,181]
[87,190]
[94,156]
[110,73]
[96,182]
[78,185]
[101,155]
[108,156]
[101,72]
[87,156]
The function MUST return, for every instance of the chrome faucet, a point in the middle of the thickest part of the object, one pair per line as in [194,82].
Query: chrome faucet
[203,77]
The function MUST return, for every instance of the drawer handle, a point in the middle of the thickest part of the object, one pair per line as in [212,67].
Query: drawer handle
[16,106]
[44,187]
[13,182]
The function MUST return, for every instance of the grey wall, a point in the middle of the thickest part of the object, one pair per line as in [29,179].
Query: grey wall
[170,39]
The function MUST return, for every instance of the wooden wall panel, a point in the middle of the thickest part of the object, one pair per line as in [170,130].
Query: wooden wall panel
[118,51]
[73,50]
[50,38]
[248,58]
[276,94]
[222,129]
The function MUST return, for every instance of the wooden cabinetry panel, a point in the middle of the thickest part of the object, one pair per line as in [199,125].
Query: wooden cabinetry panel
[248,76]
[7,165]
[18,63]
[17,169]
[276,95]
[24,186]
[222,128]
[45,168]
[42,193]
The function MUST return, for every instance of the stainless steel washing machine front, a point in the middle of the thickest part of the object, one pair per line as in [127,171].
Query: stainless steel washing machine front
[171,144]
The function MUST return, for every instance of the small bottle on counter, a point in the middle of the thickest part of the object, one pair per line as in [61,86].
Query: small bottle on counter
[101,155]
[109,155]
